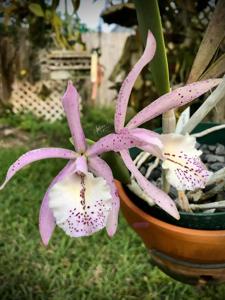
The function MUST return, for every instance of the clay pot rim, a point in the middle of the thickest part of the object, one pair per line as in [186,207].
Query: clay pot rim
[160,223]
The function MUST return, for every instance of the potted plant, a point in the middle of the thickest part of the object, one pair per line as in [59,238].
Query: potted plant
[190,249]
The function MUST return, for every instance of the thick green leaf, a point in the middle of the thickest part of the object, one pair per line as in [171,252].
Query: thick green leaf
[36,9]
[213,36]
[216,69]
[117,166]
[56,21]
[148,16]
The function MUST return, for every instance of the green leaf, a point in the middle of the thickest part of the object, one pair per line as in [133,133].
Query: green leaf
[148,16]
[88,141]
[216,69]
[76,4]
[48,15]
[55,4]
[36,9]
[56,21]
[117,166]
[213,36]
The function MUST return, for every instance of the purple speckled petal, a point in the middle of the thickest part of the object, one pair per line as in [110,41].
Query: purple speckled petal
[151,139]
[128,83]
[100,168]
[157,195]
[46,218]
[191,175]
[176,98]
[35,155]
[70,102]
[122,141]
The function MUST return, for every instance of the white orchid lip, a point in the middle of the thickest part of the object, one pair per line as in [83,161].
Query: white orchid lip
[182,160]
[81,204]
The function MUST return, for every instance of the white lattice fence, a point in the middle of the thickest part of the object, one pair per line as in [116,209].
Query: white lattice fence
[26,98]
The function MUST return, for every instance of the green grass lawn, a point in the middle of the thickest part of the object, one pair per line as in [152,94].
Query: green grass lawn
[92,268]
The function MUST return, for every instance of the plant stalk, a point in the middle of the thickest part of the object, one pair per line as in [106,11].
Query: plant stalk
[149,18]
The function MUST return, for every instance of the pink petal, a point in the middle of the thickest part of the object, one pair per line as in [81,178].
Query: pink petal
[176,98]
[100,168]
[35,155]
[122,141]
[151,139]
[128,83]
[70,102]
[46,218]
[81,167]
[157,195]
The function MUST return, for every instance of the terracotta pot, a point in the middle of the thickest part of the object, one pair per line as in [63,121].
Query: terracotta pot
[188,255]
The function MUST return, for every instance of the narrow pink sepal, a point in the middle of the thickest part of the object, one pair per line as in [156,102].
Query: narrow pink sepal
[35,155]
[122,141]
[174,99]
[70,101]
[100,168]
[151,139]
[157,195]
[46,218]
[128,83]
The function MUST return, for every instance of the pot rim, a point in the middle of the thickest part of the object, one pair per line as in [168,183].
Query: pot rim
[160,223]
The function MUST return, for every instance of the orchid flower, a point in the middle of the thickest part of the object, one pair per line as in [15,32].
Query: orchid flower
[185,169]
[83,198]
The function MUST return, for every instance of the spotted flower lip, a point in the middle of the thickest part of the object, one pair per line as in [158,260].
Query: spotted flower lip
[182,160]
[171,100]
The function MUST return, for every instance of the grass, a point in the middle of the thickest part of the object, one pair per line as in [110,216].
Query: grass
[92,268]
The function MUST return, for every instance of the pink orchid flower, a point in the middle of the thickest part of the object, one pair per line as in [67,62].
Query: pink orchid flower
[180,158]
[83,198]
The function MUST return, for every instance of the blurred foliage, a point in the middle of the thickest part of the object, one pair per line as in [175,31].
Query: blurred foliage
[209,47]
[41,19]
[28,26]
[184,24]
[96,122]
[183,29]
